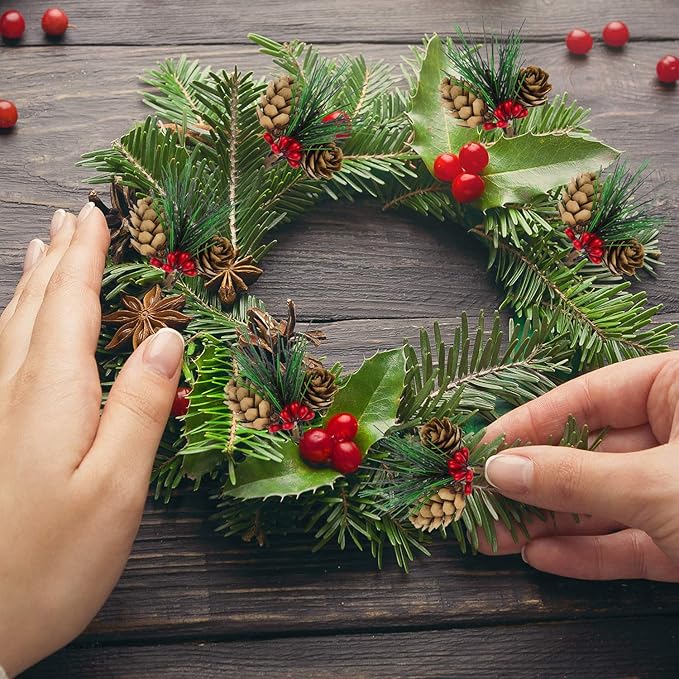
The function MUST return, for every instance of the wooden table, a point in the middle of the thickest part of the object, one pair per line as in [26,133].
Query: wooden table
[191,603]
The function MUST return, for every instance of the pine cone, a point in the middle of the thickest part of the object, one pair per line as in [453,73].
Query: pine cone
[323,163]
[321,389]
[625,259]
[223,270]
[462,103]
[275,104]
[146,229]
[441,434]
[440,510]
[248,407]
[535,86]
[577,200]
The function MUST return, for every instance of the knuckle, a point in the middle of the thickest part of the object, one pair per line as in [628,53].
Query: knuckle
[567,477]
[140,407]
[599,558]
[638,554]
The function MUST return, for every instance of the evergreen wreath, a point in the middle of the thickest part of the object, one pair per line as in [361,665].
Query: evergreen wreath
[394,453]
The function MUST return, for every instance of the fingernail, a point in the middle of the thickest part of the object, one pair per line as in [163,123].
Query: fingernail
[57,221]
[523,554]
[164,352]
[84,213]
[34,253]
[510,473]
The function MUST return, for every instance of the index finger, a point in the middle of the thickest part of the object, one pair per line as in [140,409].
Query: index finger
[69,319]
[615,396]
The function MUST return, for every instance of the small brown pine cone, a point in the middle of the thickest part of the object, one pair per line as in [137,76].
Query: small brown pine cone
[625,259]
[275,104]
[146,229]
[442,508]
[248,407]
[577,200]
[217,257]
[535,86]
[321,389]
[462,104]
[323,163]
[441,434]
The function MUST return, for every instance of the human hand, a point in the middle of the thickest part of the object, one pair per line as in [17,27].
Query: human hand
[72,483]
[630,492]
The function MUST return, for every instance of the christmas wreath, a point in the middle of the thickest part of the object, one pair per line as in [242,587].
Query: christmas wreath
[394,453]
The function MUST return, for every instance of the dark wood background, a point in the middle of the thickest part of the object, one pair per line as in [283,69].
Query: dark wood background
[191,602]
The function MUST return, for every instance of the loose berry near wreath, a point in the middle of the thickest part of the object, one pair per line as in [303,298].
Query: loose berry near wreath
[394,452]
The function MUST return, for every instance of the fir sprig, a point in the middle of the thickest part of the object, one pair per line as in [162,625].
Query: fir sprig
[492,71]
[621,211]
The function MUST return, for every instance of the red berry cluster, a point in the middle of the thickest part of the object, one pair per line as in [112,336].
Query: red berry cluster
[459,469]
[178,260]
[180,405]
[463,171]
[616,34]
[504,114]
[589,243]
[290,416]
[12,24]
[334,444]
[285,147]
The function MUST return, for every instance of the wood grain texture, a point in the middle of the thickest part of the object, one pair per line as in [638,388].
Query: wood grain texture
[636,647]
[130,22]
[259,608]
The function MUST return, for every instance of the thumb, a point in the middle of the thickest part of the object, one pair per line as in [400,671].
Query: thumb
[612,486]
[138,407]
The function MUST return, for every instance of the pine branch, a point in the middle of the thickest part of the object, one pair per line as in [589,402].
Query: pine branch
[516,222]
[558,116]
[607,324]
[477,373]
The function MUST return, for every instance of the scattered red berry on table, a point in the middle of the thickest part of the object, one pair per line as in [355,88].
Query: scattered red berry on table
[579,41]
[468,187]
[342,427]
[54,22]
[668,69]
[8,114]
[12,25]
[474,157]
[447,167]
[316,446]
[346,457]
[342,119]
[181,402]
[615,34]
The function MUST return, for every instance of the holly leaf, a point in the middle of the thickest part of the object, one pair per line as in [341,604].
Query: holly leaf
[525,167]
[291,476]
[435,130]
[372,396]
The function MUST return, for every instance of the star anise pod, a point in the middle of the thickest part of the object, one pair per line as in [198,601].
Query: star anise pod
[141,318]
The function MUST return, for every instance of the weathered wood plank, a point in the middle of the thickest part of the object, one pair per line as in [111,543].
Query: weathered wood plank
[422,264]
[325,21]
[636,647]
[183,581]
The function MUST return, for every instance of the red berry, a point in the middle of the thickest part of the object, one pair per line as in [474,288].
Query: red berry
[342,427]
[447,167]
[342,120]
[579,41]
[181,402]
[615,34]
[468,187]
[8,114]
[346,457]
[316,445]
[668,69]
[12,25]
[54,22]
[474,157]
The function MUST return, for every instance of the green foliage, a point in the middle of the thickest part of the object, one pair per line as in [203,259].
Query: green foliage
[516,222]
[524,167]
[558,116]
[372,395]
[481,371]
[434,130]
[606,324]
